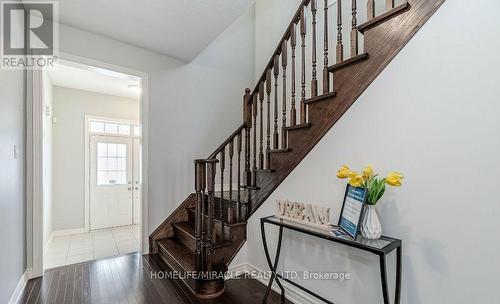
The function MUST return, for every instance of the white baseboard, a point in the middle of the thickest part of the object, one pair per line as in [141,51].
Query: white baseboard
[293,294]
[16,295]
[67,232]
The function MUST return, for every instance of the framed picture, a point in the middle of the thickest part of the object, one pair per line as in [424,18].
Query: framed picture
[352,210]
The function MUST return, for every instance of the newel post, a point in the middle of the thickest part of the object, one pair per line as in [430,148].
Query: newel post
[247,120]
[200,185]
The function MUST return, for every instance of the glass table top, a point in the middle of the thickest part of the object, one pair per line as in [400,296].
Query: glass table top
[360,241]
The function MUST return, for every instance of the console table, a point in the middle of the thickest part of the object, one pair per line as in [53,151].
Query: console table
[381,247]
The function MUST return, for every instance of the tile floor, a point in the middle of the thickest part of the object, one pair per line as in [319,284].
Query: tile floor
[77,248]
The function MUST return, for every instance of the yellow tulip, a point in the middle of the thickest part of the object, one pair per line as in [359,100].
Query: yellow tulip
[356,181]
[344,172]
[394,179]
[367,172]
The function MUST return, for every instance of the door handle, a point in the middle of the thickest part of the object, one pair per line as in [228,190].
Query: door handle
[129,188]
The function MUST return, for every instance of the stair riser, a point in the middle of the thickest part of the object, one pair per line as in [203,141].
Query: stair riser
[185,238]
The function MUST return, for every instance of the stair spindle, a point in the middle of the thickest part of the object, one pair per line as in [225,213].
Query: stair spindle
[303,59]
[354,31]
[340,46]
[211,169]
[314,81]
[247,118]
[261,147]
[268,91]
[231,154]
[389,4]
[284,62]
[276,74]
[293,43]
[326,74]
[238,148]
[254,110]
[222,167]
[371,9]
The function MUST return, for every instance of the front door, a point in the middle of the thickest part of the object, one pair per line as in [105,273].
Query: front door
[111,192]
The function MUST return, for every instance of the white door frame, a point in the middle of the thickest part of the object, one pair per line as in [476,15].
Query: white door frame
[34,157]
[87,157]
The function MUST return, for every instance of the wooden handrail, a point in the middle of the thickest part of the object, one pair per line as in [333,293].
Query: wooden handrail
[227,141]
[295,18]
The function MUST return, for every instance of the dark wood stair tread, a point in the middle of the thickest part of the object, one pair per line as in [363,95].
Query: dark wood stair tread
[181,254]
[384,17]
[265,170]
[320,98]
[237,221]
[249,187]
[279,150]
[348,62]
[297,127]
[189,230]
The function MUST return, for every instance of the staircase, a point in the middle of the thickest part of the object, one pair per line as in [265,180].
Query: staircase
[291,108]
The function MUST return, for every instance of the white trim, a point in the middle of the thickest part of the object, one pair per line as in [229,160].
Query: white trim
[66,232]
[293,294]
[18,292]
[34,157]
[34,170]
[87,156]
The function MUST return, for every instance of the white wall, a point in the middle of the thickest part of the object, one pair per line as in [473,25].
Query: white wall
[193,106]
[47,157]
[12,181]
[432,114]
[70,108]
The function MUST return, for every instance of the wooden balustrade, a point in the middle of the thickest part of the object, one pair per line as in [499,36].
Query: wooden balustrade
[284,62]
[326,73]
[252,143]
[238,148]
[314,81]
[204,209]
[276,74]
[354,30]
[303,32]
[261,146]
[256,144]
[340,46]
[254,111]
[222,166]
[268,92]
[247,119]
[293,44]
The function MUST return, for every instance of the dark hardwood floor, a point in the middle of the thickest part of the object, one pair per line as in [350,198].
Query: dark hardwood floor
[127,279]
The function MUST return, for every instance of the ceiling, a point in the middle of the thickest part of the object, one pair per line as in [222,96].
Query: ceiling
[75,76]
[177,28]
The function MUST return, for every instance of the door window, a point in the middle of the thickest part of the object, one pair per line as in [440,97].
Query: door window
[111,164]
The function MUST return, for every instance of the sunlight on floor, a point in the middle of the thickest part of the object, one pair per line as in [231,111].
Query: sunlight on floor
[77,248]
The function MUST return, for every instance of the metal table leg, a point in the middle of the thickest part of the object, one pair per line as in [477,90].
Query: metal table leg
[271,266]
[383,276]
[399,267]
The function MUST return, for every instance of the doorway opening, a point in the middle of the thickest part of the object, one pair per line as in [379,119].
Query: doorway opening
[92,163]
